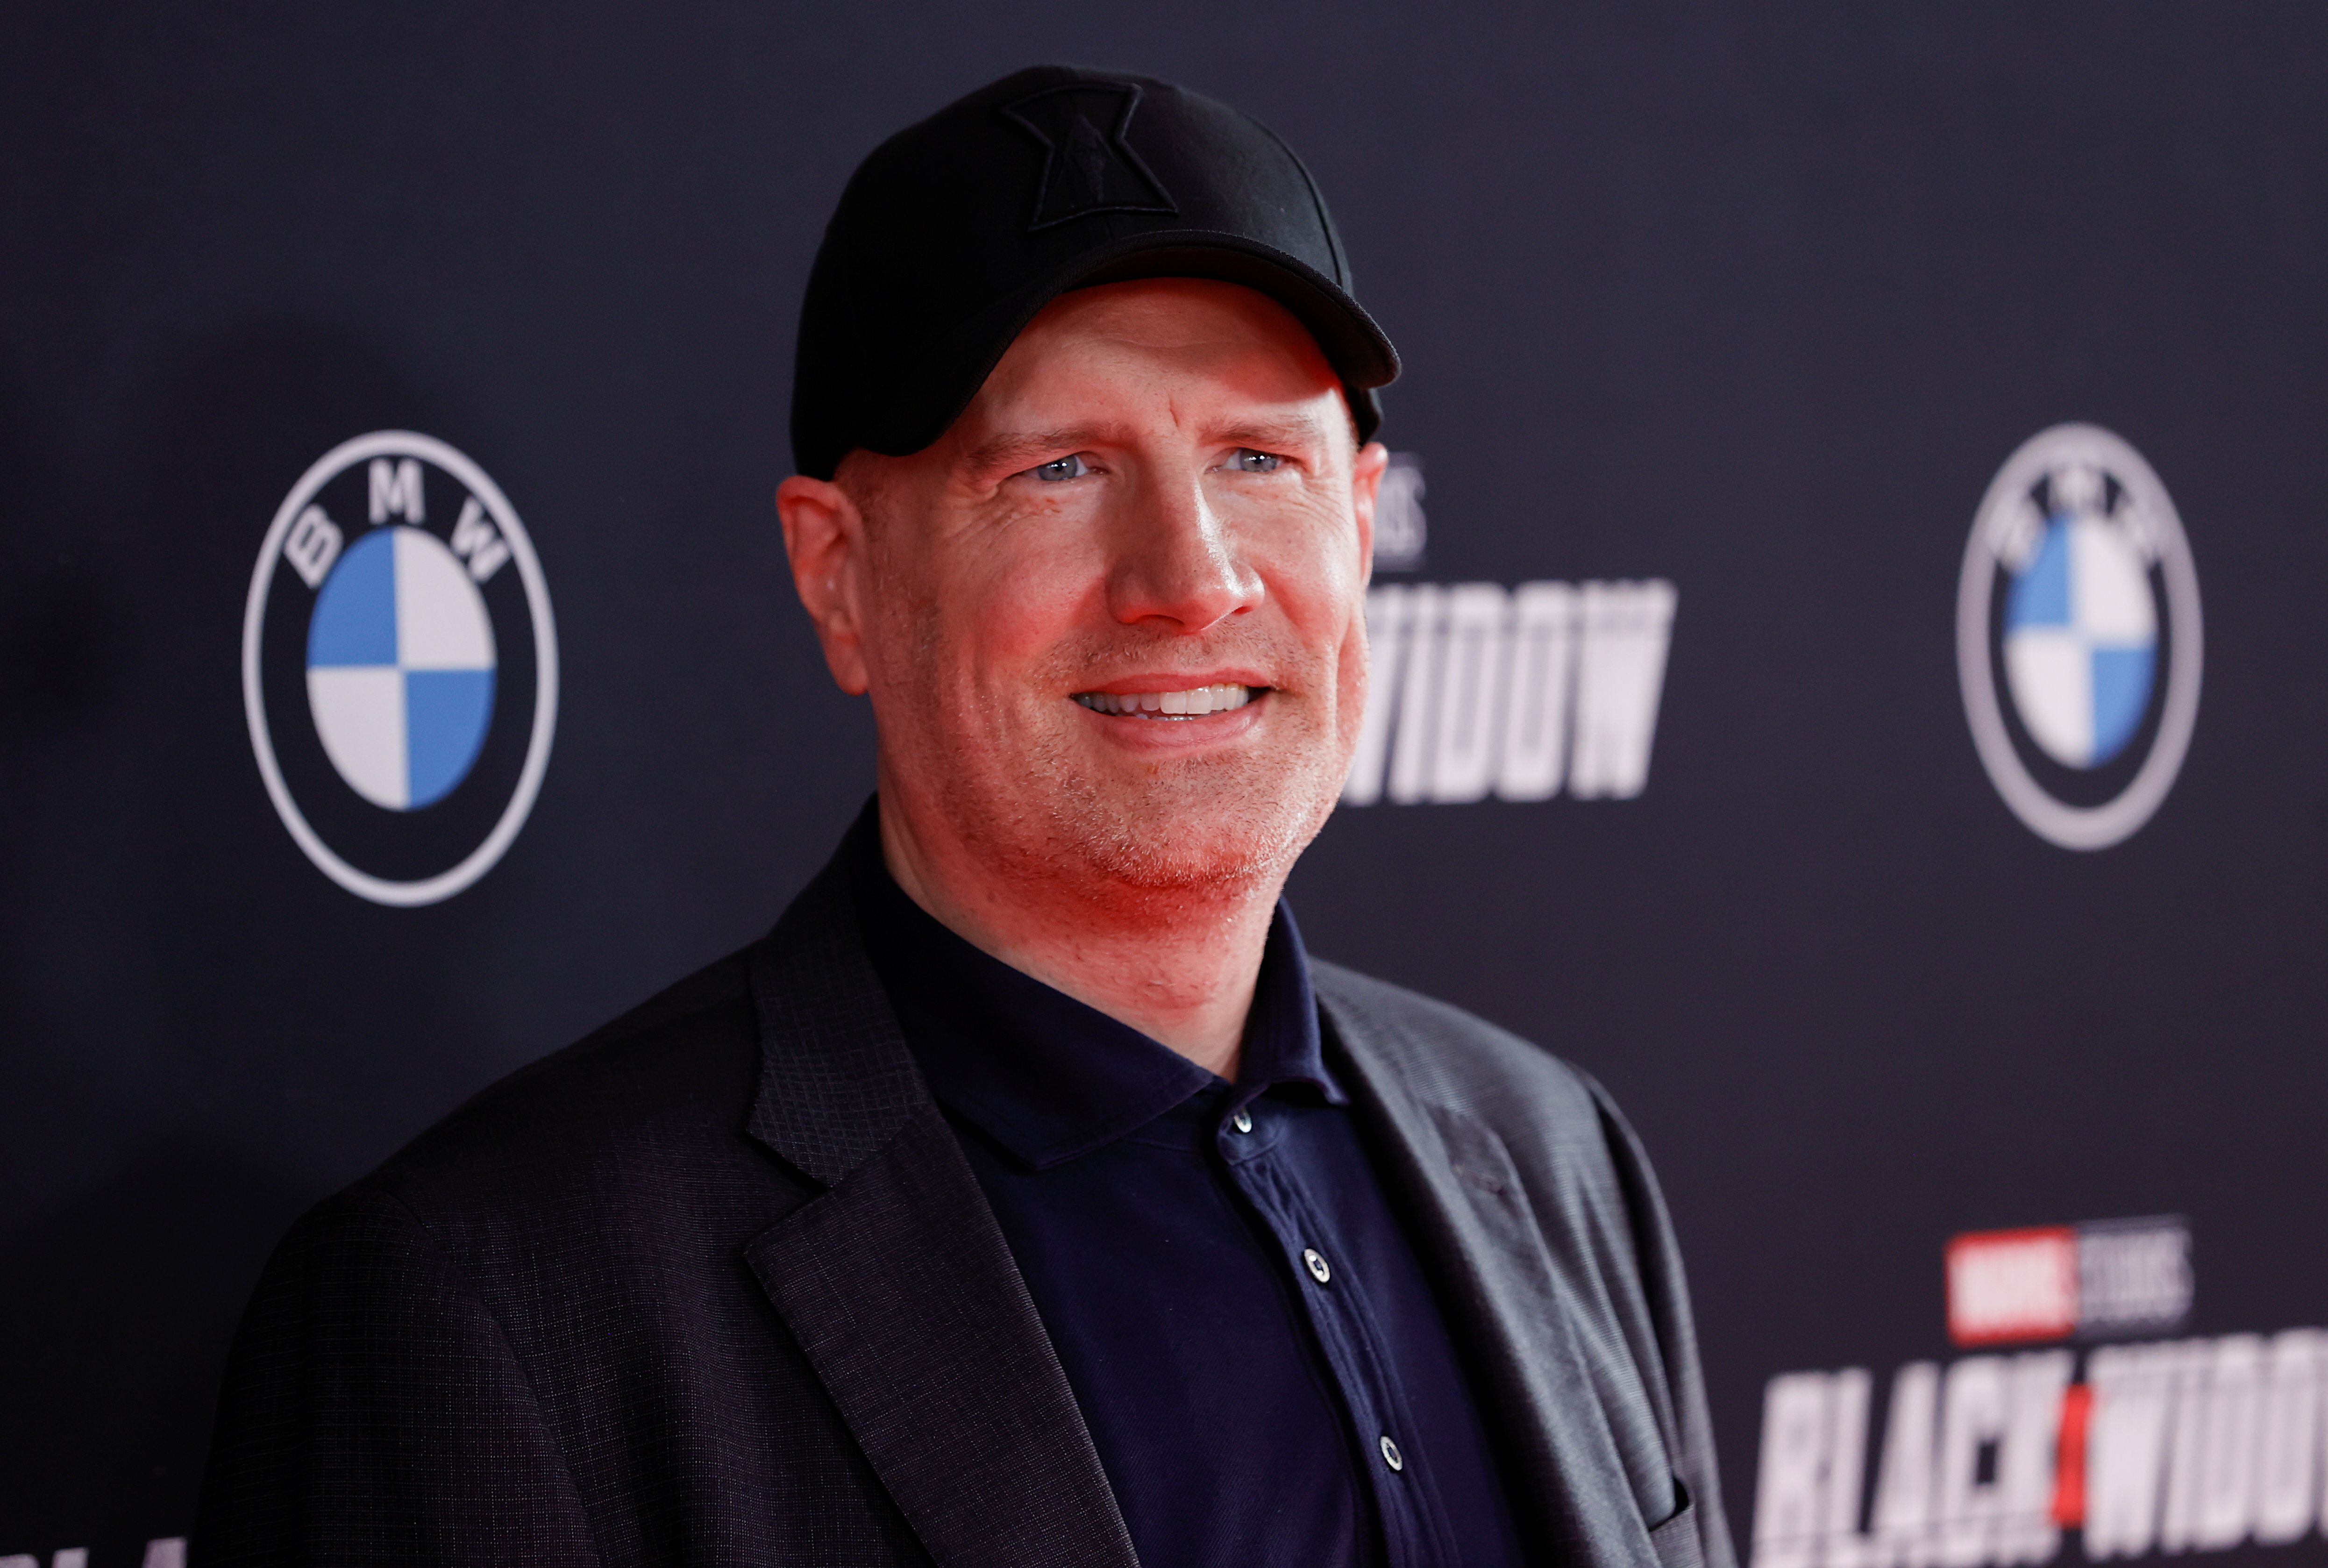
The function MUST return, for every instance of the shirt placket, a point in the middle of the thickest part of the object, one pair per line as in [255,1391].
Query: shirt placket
[1415,1533]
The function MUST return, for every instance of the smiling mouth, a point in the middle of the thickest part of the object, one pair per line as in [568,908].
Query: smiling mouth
[1194,703]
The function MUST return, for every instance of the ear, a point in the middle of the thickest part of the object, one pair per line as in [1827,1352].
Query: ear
[824,538]
[1366,486]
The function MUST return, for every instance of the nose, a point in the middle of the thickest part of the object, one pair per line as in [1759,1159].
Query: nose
[1175,561]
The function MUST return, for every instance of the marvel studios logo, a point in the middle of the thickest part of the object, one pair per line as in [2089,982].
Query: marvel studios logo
[2098,1280]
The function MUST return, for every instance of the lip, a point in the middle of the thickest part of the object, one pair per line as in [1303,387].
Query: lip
[1176,680]
[1156,737]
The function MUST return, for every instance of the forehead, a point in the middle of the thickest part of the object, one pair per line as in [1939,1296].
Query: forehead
[1155,337]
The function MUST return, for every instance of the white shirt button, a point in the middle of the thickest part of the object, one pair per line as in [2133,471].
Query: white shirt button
[1316,1261]
[1391,1456]
[1242,1121]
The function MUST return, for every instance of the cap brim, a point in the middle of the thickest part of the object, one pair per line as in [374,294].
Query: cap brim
[932,395]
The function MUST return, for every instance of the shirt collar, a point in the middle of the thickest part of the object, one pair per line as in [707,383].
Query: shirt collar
[1043,1074]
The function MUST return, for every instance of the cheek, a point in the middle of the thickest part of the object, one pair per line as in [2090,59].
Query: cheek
[1318,578]
[1009,597]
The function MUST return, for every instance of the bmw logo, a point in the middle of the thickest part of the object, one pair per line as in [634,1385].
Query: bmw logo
[2077,637]
[400,668]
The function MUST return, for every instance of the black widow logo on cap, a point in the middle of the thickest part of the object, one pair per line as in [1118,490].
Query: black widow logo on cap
[1084,170]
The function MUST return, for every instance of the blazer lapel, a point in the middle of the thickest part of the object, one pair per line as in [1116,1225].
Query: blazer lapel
[897,1281]
[1509,1300]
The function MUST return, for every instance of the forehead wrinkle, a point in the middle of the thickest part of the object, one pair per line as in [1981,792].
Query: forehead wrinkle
[1141,337]
[1186,380]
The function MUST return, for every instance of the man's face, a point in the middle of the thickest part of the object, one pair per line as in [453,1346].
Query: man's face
[1115,625]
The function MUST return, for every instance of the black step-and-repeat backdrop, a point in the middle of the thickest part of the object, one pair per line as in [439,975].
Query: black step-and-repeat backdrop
[1852,672]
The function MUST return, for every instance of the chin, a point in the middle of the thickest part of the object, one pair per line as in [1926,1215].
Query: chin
[1196,829]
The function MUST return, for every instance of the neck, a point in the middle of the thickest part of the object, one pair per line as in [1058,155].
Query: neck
[1179,965]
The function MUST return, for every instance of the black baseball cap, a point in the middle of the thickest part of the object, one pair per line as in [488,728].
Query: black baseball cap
[954,232]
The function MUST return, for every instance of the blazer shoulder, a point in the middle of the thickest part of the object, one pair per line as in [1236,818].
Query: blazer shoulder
[674,1073]
[1457,1059]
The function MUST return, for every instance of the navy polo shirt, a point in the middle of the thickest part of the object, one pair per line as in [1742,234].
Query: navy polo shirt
[1254,1345]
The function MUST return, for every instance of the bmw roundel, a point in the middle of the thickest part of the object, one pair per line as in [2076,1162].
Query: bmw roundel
[2077,637]
[400,668]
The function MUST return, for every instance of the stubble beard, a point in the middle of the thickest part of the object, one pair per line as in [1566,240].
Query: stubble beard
[1196,829]
[1027,790]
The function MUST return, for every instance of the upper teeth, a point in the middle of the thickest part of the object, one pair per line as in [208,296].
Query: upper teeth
[1190,704]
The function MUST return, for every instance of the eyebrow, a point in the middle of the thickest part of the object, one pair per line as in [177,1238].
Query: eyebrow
[1018,449]
[1275,435]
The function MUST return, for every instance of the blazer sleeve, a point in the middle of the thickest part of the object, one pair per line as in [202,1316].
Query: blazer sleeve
[1683,1409]
[373,1413]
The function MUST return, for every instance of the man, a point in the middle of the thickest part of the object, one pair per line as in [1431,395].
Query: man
[1026,1197]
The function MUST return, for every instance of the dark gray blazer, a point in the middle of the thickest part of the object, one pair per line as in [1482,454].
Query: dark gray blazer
[716,1285]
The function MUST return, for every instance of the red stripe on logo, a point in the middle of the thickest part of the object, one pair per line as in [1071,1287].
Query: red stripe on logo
[2069,1471]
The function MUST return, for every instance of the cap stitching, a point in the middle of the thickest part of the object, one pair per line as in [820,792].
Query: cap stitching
[1317,204]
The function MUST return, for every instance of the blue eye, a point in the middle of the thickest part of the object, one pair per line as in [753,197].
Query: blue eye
[1059,468]
[1248,461]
